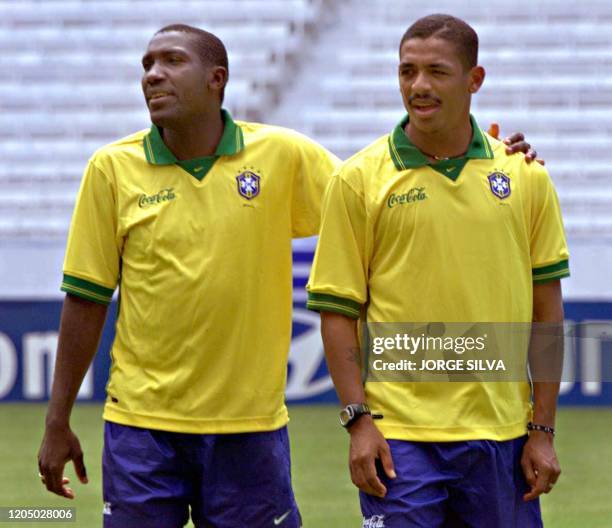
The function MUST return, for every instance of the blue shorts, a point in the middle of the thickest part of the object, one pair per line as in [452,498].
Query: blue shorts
[154,478]
[478,483]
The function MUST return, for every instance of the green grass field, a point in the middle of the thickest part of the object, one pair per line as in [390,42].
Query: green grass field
[581,499]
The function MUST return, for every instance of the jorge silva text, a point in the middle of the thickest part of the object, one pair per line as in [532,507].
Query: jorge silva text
[441,365]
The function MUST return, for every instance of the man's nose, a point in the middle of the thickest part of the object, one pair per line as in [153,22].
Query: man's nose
[153,74]
[421,84]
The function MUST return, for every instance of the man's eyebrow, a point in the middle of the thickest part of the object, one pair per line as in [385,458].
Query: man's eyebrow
[438,65]
[162,52]
[408,64]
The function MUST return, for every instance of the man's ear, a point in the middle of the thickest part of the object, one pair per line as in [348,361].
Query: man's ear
[477,77]
[217,78]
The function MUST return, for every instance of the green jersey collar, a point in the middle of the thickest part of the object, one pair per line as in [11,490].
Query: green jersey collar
[157,153]
[406,155]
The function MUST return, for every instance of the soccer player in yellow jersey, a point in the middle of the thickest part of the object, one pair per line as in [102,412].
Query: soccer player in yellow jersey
[193,220]
[436,223]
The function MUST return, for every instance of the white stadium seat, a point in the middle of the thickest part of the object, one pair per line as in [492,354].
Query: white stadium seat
[71,71]
[549,74]
[71,83]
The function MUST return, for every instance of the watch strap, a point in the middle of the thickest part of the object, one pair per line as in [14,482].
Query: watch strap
[350,413]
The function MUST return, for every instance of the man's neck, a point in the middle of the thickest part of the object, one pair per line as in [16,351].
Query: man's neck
[449,143]
[197,139]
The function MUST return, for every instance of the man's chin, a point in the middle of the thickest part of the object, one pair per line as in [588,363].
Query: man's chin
[424,125]
[162,119]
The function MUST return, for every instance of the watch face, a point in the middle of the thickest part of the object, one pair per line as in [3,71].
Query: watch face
[345,415]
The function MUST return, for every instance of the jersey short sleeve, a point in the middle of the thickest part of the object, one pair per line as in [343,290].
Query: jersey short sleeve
[548,246]
[314,166]
[338,280]
[91,264]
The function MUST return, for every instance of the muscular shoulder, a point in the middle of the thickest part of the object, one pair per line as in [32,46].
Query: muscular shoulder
[364,168]
[129,148]
[282,140]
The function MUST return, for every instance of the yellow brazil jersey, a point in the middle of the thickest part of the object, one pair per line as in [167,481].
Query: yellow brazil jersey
[404,240]
[201,252]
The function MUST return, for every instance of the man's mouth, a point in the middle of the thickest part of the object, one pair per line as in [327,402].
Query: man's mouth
[158,95]
[425,107]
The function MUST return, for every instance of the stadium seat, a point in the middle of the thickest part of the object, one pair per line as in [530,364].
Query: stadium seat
[71,73]
[71,83]
[549,74]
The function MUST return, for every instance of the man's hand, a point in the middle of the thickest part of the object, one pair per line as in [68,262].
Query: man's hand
[516,143]
[540,464]
[367,445]
[60,445]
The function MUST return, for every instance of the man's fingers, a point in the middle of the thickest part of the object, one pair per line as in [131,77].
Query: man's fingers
[530,495]
[555,475]
[363,475]
[58,447]
[542,483]
[494,130]
[518,146]
[54,482]
[67,492]
[517,137]
[528,471]
[65,480]
[64,491]
[546,476]
[361,480]
[373,481]
[553,471]
[358,477]
[533,493]
[541,161]
[79,467]
[387,461]
[530,477]
[531,155]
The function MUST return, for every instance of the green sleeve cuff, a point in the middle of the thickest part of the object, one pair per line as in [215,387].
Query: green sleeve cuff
[560,270]
[321,302]
[89,291]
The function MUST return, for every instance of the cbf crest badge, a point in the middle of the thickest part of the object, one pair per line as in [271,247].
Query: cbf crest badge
[248,184]
[499,184]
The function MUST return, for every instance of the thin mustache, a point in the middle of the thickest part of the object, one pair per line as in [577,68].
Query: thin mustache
[413,98]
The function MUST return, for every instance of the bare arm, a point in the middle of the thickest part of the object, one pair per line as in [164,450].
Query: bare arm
[80,328]
[343,356]
[367,443]
[548,308]
[539,460]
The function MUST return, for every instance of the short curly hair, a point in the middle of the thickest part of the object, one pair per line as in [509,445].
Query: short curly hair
[451,29]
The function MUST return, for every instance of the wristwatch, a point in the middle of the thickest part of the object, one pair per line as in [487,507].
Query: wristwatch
[351,412]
